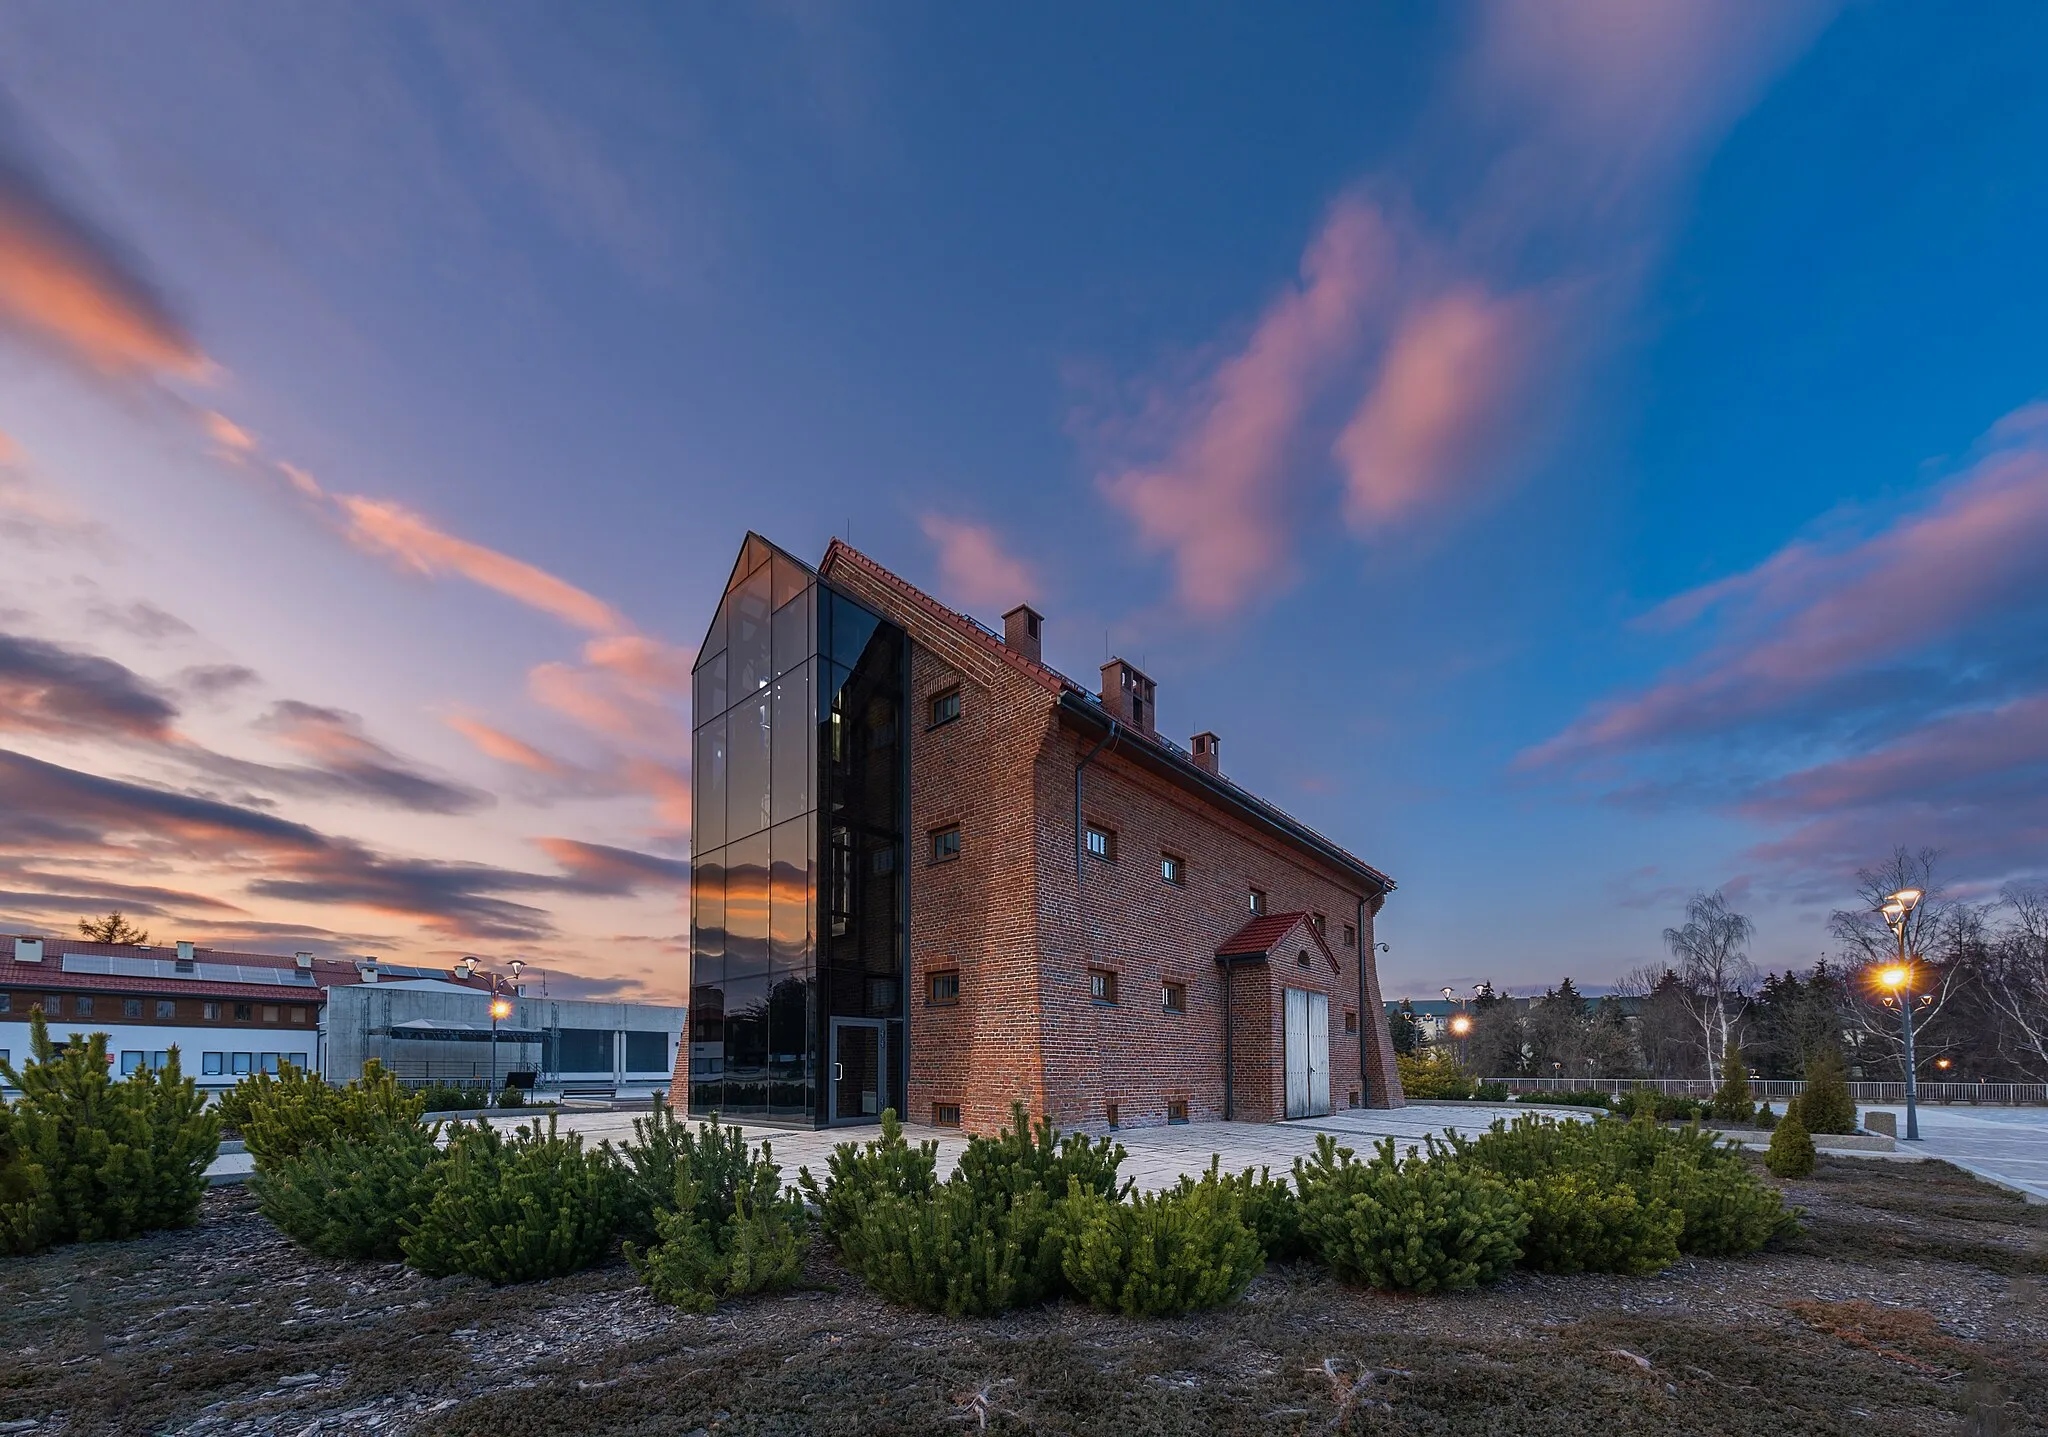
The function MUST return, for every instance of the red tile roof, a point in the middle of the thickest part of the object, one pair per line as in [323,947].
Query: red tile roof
[1267,932]
[49,974]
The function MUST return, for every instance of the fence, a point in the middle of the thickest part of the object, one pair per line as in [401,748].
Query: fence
[2001,1095]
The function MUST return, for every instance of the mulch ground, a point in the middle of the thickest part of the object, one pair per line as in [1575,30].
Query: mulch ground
[1916,1301]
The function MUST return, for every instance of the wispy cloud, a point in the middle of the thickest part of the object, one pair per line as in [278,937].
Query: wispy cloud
[1416,366]
[58,690]
[387,528]
[68,288]
[974,567]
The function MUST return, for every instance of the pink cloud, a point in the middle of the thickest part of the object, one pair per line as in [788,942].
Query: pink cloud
[1816,612]
[974,569]
[623,711]
[1446,391]
[648,663]
[1217,503]
[1944,759]
[383,527]
[504,747]
[232,438]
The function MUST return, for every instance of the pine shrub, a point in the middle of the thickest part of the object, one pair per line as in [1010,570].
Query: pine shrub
[1791,1154]
[1728,1212]
[856,1174]
[1581,1098]
[354,1197]
[1424,1224]
[1579,1223]
[1160,1254]
[513,1209]
[1489,1092]
[281,1116]
[1732,1101]
[1266,1203]
[1646,1102]
[1434,1074]
[1825,1106]
[952,1252]
[86,1159]
[698,1260]
[721,1168]
[1022,1157]
[453,1098]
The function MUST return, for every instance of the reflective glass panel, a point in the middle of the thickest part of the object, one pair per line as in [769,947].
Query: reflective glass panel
[707,898]
[852,627]
[746,907]
[748,735]
[789,894]
[747,645]
[707,794]
[709,696]
[707,1047]
[791,1016]
[792,736]
[746,1044]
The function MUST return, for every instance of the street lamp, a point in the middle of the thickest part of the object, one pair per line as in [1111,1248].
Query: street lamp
[1461,1027]
[1898,979]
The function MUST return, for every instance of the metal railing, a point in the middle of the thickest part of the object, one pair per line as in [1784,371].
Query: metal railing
[1997,1095]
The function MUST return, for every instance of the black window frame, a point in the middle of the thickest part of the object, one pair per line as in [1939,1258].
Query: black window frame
[131,1007]
[1259,901]
[1173,869]
[945,708]
[1102,987]
[166,1008]
[244,1013]
[1171,989]
[942,988]
[82,1005]
[945,844]
[1090,832]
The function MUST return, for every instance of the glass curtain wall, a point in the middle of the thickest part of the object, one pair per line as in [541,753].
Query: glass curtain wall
[797,841]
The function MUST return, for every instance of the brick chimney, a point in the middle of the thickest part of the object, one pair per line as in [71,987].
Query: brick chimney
[1206,746]
[1128,695]
[1020,631]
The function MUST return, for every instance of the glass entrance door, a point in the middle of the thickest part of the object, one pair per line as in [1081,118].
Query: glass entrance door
[857,1070]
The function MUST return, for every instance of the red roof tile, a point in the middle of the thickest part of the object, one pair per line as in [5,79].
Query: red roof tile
[1266,932]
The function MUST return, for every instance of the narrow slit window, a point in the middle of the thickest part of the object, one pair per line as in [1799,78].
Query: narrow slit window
[1102,985]
[1258,901]
[1100,842]
[1173,870]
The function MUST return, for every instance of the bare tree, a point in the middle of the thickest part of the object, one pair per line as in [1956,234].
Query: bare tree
[1938,933]
[1712,950]
[2016,978]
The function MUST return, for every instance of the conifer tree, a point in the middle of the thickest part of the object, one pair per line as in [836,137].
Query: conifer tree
[1732,1102]
[1791,1154]
[1825,1106]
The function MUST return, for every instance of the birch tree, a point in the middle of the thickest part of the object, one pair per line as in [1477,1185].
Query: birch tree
[1711,949]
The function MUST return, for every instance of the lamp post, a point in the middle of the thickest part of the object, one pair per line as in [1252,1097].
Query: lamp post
[1461,1028]
[1899,980]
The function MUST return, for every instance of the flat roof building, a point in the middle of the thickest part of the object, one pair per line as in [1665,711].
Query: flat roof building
[929,872]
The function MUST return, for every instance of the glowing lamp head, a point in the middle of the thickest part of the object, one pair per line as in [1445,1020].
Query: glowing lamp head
[501,1008]
[1906,898]
[1893,977]
[1893,912]
[1942,1063]
[1460,1026]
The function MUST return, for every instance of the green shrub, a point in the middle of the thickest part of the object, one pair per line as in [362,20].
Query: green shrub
[1825,1106]
[1581,1223]
[720,1162]
[1435,1074]
[696,1261]
[1423,1224]
[354,1197]
[857,1173]
[282,1116]
[1725,1209]
[952,1252]
[1765,1118]
[1023,1157]
[1160,1254]
[512,1097]
[1570,1100]
[1490,1092]
[1732,1101]
[453,1098]
[86,1159]
[1791,1153]
[1644,1102]
[513,1209]
[1266,1204]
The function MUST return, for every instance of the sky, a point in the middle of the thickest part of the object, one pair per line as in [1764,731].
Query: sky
[1575,455]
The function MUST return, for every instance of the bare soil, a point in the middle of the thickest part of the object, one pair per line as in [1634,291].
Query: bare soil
[1916,1301]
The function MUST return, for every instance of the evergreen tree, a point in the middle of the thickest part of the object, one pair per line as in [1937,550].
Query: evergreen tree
[1825,1106]
[1791,1154]
[1403,1028]
[1732,1102]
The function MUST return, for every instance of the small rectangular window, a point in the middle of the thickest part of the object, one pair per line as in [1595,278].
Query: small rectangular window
[1110,1112]
[1176,1110]
[946,844]
[270,1012]
[212,1011]
[130,1061]
[883,860]
[1350,936]
[6,1002]
[267,1063]
[244,1012]
[131,1007]
[298,1015]
[1172,869]
[242,1063]
[945,990]
[945,707]
[1258,902]
[84,1006]
[1173,997]
[1350,1021]
[211,1064]
[166,1007]
[1320,923]
[53,1005]
[1100,842]
[160,1059]
[1102,985]
[1353,1095]
[298,1060]
[945,1115]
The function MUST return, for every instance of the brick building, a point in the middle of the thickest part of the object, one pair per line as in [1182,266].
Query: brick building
[930,872]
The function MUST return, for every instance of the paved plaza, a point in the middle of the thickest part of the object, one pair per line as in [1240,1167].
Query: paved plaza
[2002,1145]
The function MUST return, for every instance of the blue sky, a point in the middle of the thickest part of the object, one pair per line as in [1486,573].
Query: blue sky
[1573,455]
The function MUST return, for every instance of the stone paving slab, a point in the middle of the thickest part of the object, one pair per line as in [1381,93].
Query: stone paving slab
[2008,1146]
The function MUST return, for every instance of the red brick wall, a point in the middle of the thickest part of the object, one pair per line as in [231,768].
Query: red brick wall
[1005,915]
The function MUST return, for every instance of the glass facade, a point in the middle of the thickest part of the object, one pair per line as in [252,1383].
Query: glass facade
[798,929]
